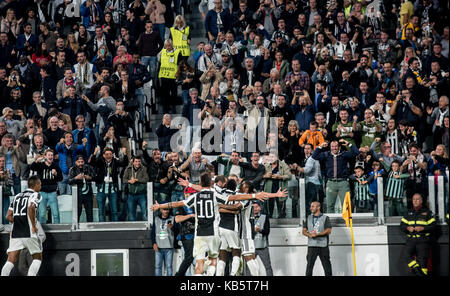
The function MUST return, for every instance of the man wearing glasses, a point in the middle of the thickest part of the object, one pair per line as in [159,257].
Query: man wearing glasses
[386,152]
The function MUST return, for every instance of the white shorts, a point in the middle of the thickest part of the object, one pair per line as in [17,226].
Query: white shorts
[33,244]
[206,244]
[229,239]
[247,246]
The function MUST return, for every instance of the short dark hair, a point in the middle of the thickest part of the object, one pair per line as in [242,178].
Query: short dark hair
[220,178]
[205,180]
[411,60]
[106,149]
[231,185]
[33,181]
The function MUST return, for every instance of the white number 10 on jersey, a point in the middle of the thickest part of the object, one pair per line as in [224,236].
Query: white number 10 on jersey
[205,209]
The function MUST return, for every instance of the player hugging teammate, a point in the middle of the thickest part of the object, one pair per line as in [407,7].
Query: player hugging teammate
[224,221]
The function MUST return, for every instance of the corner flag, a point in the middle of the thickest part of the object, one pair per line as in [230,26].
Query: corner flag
[347,216]
[347,209]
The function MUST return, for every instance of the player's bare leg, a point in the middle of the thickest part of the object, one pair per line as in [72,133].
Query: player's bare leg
[9,265]
[199,267]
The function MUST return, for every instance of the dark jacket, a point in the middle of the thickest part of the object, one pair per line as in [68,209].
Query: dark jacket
[164,135]
[343,158]
[211,21]
[49,181]
[138,72]
[252,174]
[155,171]
[72,107]
[100,166]
[188,109]
[86,170]
[48,86]
[422,217]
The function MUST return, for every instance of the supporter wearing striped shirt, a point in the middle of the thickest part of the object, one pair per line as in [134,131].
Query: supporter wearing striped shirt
[395,188]
[361,190]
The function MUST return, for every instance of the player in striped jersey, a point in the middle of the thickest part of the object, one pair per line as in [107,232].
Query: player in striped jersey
[361,189]
[247,233]
[229,231]
[24,233]
[206,204]
[395,188]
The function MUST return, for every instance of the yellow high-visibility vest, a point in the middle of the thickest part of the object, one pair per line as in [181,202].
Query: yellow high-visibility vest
[169,64]
[180,40]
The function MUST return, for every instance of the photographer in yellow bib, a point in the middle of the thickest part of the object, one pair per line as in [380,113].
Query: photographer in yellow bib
[169,59]
[181,37]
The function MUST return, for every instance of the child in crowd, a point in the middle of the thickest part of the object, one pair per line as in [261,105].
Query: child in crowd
[376,172]
[395,188]
[361,190]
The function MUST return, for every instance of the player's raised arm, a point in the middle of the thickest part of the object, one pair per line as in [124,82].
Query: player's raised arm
[170,205]
[185,183]
[261,196]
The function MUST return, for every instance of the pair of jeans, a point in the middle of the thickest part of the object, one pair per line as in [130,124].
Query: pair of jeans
[150,62]
[281,207]
[161,29]
[181,3]
[311,194]
[51,199]
[101,200]
[163,255]
[334,191]
[185,96]
[63,186]
[16,185]
[140,96]
[160,192]
[87,201]
[133,201]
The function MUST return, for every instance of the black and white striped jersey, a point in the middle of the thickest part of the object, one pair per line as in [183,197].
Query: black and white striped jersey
[247,223]
[393,139]
[227,220]
[21,227]
[206,208]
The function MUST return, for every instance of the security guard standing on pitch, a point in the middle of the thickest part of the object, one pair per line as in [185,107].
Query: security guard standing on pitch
[169,61]
[418,224]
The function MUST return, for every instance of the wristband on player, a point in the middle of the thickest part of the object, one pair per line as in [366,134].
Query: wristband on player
[253,196]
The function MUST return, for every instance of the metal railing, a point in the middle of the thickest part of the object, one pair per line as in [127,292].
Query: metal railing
[436,200]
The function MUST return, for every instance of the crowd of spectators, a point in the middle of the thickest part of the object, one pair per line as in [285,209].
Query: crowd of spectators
[357,91]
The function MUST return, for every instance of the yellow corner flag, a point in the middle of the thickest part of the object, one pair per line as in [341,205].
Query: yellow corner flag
[347,209]
[347,216]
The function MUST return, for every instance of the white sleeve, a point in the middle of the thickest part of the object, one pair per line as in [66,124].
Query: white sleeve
[35,198]
[190,201]
[221,198]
